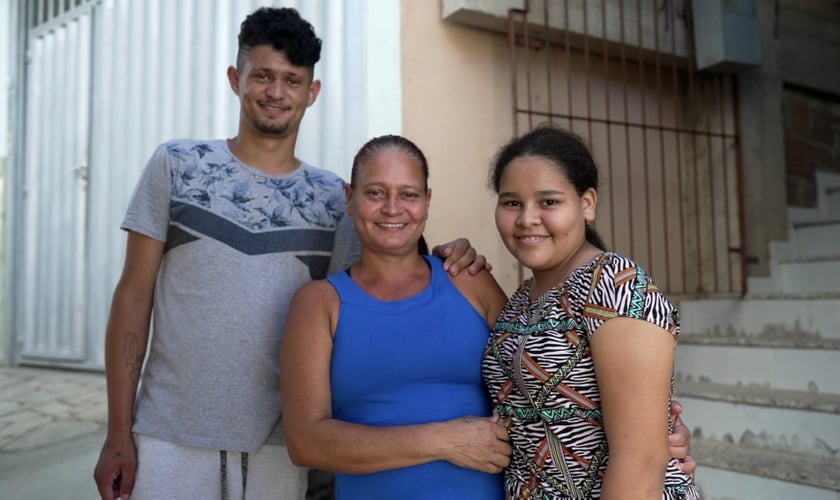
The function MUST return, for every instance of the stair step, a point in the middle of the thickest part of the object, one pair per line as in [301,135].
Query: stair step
[793,421]
[770,362]
[794,272]
[813,231]
[818,223]
[817,314]
[772,464]
[832,200]
[815,236]
[819,274]
[767,339]
[792,296]
[760,396]
[804,258]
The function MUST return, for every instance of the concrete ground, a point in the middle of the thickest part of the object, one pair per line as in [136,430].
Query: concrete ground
[52,424]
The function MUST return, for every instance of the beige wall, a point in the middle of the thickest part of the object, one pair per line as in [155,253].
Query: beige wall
[459,117]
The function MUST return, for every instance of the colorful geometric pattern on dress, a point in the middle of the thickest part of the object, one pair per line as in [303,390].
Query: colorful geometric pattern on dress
[539,370]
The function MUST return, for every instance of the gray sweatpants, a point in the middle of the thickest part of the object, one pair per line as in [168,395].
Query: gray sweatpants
[168,470]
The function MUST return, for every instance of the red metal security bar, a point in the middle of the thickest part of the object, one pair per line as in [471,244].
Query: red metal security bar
[621,74]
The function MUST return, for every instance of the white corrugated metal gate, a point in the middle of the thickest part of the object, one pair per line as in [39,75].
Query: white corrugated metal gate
[51,295]
[107,80]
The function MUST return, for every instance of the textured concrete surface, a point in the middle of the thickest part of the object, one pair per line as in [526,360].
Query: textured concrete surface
[52,425]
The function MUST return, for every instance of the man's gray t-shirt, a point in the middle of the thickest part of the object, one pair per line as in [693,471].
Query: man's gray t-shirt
[238,245]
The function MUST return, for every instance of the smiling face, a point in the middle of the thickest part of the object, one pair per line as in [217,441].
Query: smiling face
[273,93]
[389,202]
[540,216]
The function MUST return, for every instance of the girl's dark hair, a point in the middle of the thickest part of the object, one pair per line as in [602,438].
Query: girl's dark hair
[564,149]
[285,31]
[388,142]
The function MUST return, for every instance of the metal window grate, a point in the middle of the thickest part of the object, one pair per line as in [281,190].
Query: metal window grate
[620,73]
[45,14]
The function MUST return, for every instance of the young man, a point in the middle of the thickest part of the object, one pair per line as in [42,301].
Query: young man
[221,234]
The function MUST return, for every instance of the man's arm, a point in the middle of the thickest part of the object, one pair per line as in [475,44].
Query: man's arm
[458,255]
[679,441]
[125,349]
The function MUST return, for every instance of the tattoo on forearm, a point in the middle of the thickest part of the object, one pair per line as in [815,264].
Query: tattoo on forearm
[133,357]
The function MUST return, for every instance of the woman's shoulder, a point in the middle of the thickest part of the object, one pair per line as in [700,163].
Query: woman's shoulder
[315,291]
[482,291]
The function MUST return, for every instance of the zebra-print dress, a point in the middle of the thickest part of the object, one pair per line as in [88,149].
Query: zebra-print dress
[538,368]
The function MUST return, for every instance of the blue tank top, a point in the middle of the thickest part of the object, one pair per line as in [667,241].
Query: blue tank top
[410,361]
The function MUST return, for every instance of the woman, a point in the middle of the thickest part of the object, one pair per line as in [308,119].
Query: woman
[580,362]
[381,379]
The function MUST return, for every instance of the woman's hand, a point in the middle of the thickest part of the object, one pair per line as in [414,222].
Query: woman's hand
[478,443]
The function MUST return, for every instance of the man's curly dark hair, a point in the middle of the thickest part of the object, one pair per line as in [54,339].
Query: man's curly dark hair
[284,30]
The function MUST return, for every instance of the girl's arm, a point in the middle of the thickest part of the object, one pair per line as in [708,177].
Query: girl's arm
[634,360]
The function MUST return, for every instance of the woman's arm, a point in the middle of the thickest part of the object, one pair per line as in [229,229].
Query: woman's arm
[315,439]
[633,361]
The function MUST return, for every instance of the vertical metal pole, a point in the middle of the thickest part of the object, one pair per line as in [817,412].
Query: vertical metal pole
[526,40]
[642,91]
[547,47]
[610,183]
[739,188]
[513,70]
[675,89]
[627,162]
[692,99]
[723,138]
[587,70]
[711,164]
[663,185]
[568,49]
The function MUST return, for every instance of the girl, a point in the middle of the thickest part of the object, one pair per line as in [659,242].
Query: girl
[580,362]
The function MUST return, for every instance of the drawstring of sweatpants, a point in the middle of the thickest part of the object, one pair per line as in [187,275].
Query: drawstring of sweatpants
[223,466]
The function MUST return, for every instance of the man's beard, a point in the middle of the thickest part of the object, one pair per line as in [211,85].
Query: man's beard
[271,129]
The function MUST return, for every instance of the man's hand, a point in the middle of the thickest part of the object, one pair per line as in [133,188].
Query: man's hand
[459,254]
[114,473]
[679,441]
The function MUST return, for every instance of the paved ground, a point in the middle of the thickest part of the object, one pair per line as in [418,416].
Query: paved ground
[52,424]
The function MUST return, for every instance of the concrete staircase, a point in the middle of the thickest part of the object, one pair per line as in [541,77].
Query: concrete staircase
[759,377]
